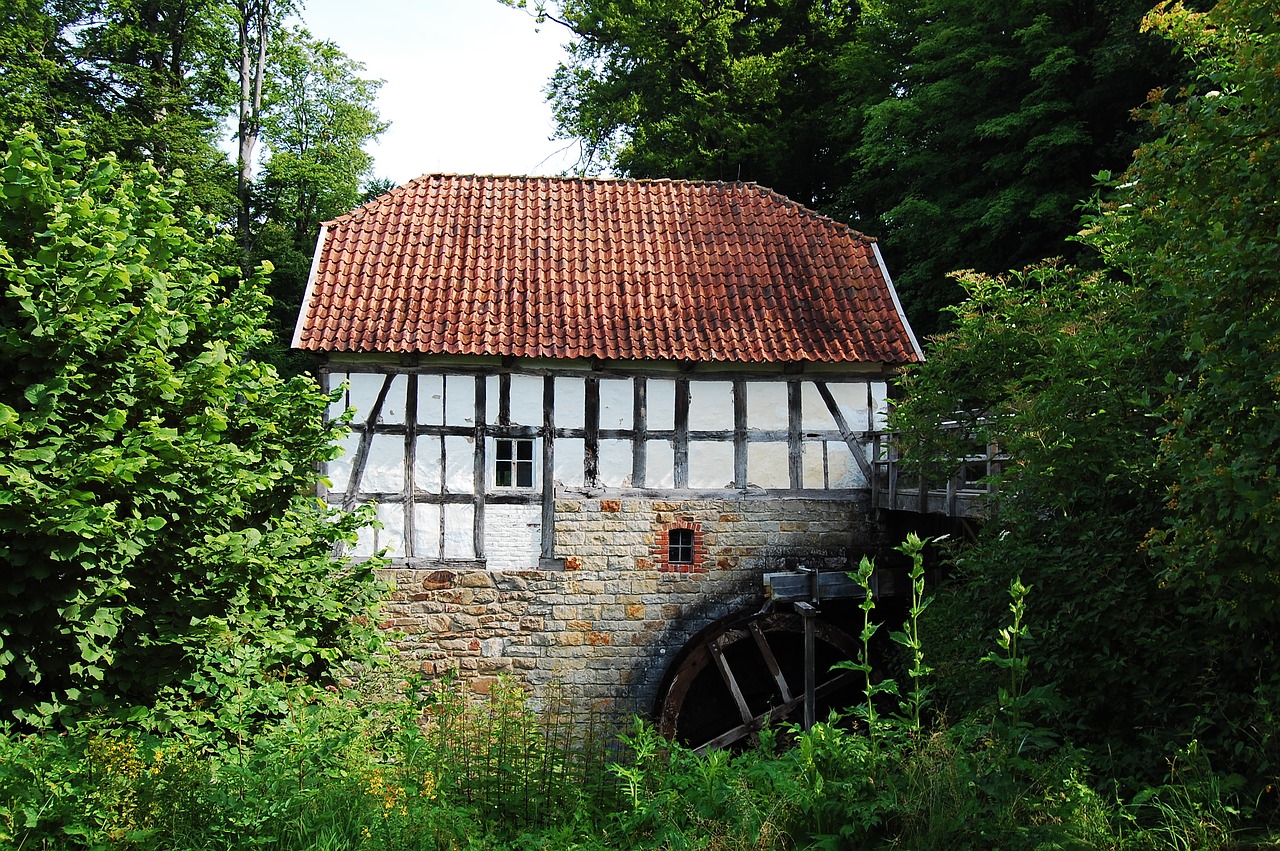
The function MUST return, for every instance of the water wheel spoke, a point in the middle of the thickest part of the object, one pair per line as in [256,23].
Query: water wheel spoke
[770,661]
[717,654]
[777,713]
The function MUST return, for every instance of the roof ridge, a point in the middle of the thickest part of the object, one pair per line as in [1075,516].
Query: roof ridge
[359,212]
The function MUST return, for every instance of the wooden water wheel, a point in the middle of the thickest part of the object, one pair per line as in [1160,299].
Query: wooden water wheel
[743,673]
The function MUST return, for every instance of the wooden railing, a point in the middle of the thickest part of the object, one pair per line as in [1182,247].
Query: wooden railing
[962,494]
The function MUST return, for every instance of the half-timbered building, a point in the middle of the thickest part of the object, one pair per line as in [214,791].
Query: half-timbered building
[594,413]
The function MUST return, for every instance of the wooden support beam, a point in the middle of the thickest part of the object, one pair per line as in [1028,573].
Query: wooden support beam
[770,661]
[640,434]
[791,586]
[795,447]
[855,445]
[591,445]
[480,473]
[548,468]
[361,460]
[739,433]
[681,441]
[726,673]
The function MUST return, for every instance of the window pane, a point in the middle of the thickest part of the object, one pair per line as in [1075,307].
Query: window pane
[680,546]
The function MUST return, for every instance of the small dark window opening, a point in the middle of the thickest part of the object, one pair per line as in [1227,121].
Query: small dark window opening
[514,464]
[680,546]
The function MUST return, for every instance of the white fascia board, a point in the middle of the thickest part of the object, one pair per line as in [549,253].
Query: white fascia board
[311,284]
[884,270]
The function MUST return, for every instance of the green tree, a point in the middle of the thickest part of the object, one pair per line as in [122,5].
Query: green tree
[42,84]
[157,532]
[1138,405]
[1001,112]
[1196,218]
[707,89]
[318,115]
[962,133]
[156,87]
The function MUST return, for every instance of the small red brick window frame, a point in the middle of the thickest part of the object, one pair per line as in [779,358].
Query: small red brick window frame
[679,548]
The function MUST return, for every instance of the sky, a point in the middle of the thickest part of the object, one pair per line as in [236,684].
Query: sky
[463,88]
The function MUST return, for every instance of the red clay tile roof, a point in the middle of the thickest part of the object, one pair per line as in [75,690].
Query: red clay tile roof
[611,269]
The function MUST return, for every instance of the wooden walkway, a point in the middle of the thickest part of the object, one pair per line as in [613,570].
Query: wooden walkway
[961,495]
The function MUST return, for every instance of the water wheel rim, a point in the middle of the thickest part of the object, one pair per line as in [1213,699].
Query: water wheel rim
[709,651]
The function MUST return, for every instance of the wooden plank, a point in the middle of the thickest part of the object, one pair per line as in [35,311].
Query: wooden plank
[410,464]
[855,445]
[480,480]
[681,439]
[591,445]
[770,661]
[795,457]
[548,545]
[640,431]
[362,451]
[726,673]
[832,585]
[739,433]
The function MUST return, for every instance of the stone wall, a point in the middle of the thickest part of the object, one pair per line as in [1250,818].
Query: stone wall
[603,631]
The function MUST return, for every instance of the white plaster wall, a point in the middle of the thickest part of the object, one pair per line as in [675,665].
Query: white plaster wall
[880,404]
[362,393]
[393,406]
[426,530]
[767,465]
[710,464]
[339,469]
[459,533]
[615,463]
[853,400]
[459,464]
[617,403]
[459,400]
[660,403]
[427,473]
[391,536]
[843,470]
[384,467]
[526,400]
[711,406]
[512,536]
[660,464]
[571,397]
[814,415]
[339,405]
[812,462]
[568,461]
[767,405]
[431,400]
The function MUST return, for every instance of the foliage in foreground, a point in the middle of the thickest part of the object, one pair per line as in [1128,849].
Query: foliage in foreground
[158,538]
[443,771]
[360,776]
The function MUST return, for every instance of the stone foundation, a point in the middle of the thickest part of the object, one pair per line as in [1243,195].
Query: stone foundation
[603,631]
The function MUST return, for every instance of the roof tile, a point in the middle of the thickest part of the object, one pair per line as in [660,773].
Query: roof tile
[609,269]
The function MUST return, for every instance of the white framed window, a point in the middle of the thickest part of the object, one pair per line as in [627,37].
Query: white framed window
[513,463]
